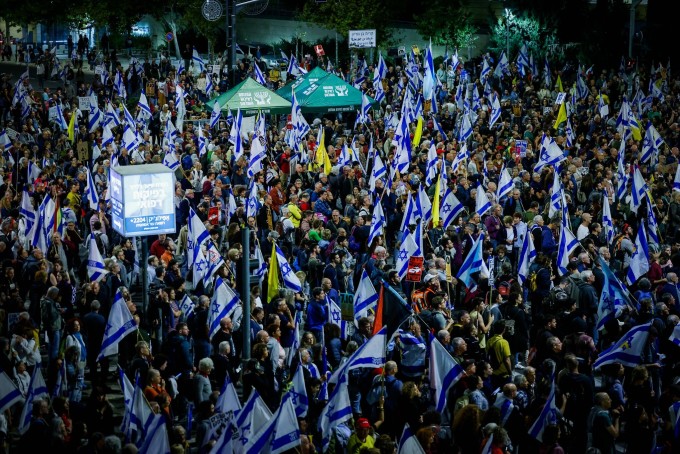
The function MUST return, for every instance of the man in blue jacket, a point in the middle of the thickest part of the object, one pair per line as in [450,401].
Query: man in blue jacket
[317,312]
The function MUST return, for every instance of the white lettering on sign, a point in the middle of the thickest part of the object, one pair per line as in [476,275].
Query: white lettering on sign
[362,39]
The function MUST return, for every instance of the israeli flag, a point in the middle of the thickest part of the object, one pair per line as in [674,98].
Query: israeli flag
[482,204]
[198,60]
[290,280]
[5,143]
[638,190]
[253,204]
[402,138]
[431,171]
[156,440]
[60,120]
[408,442]
[128,395]
[550,154]
[523,56]
[675,335]
[450,209]
[444,373]
[379,171]
[365,297]
[209,86]
[215,115]
[95,263]
[61,385]
[628,350]
[130,139]
[460,159]
[423,205]
[651,143]
[377,222]
[676,180]
[107,136]
[293,68]
[652,225]
[197,234]
[37,389]
[222,304]
[472,264]
[249,421]
[549,415]
[214,261]
[258,76]
[95,117]
[261,264]
[639,262]
[28,212]
[202,142]
[91,190]
[607,220]
[505,185]
[235,135]
[299,393]
[379,95]
[503,65]
[144,108]
[622,175]
[556,195]
[257,155]
[570,135]
[408,249]
[112,115]
[119,85]
[9,394]
[438,128]
[567,244]
[337,411]
[279,434]
[170,159]
[526,257]
[613,299]
[370,355]
[119,325]
[186,306]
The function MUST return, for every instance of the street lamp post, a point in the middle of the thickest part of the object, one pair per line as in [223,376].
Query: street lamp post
[508,17]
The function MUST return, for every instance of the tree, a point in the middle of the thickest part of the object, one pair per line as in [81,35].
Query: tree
[441,22]
[540,37]
[343,16]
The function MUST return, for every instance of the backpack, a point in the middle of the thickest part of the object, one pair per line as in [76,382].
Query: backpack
[354,245]
[573,290]
[377,390]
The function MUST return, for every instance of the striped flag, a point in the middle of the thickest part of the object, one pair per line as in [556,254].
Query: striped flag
[639,262]
[119,325]
[337,411]
[444,373]
[9,394]
[628,350]
[198,60]
[222,304]
[408,443]
[365,297]
[37,389]
[472,264]
[95,263]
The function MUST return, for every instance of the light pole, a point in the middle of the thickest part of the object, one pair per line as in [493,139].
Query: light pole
[508,17]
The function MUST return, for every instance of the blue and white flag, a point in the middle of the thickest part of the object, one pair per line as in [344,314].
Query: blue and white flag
[526,257]
[119,85]
[228,401]
[371,354]
[215,115]
[556,195]
[5,143]
[33,172]
[495,114]
[112,115]
[628,350]
[438,128]
[95,117]
[423,206]
[607,220]
[379,94]
[482,204]
[450,208]
[119,325]
[144,109]
[293,68]
[550,155]
[202,142]
[170,159]
[258,153]
[280,434]
[613,299]
[444,373]
[379,171]
[465,127]
[95,263]
[197,236]
[186,306]
[638,190]
[337,411]
[37,389]
[472,264]
[365,297]
[299,393]
[197,60]
[156,440]
[486,70]
[408,442]
[523,56]
[651,143]
[409,248]
[431,171]
[250,420]
[402,158]
[675,335]
[28,212]
[9,394]
[652,225]
[222,304]
[292,352]
[262,267]
[127,390]
[549,415]
[61,384]
[235,135]
[639,262]
[503,65]
[258,76]
[335,317]
[365,108]
[505,185]
[253,203]
[91,191]
[290,280]
[377,223]
[567,244]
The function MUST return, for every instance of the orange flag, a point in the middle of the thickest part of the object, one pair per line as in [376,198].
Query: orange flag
[378,323]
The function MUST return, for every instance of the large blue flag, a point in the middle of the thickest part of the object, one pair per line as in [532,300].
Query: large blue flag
[371,354]
[628,350]
[9,394]
[614,297]
[337,411]
[365,297]
[222,304]
[472,264]
[290,280]
[408,442]
[280,434]
[444,373]
[156,441]
[120,324]
[639,262]
[37,389]
[548,416]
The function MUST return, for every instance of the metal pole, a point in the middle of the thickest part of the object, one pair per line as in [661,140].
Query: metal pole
[232,61]
[145,277]
[245,292]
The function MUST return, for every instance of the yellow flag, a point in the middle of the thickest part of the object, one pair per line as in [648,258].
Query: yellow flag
[559,84]
[435,203]
[561,116]
[273,277]
[418,133]
[326,163]
[72,127]
[320,151]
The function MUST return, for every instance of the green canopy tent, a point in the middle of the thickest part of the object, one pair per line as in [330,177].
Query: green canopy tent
[324,95]
[251,98]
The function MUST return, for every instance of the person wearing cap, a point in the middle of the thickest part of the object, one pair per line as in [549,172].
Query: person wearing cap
[361,439]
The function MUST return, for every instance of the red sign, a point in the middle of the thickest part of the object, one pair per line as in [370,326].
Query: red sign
[414,272]
[319,50]
[213,215]
[289,124]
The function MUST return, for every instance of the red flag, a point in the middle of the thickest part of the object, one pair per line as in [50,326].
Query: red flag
[378,323]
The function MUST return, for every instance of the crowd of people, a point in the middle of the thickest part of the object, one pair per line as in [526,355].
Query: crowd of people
[524,333]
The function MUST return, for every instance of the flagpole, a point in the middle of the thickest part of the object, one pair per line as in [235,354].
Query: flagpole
[245,291]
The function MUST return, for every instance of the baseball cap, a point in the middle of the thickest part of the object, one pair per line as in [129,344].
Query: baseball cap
[362,423]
